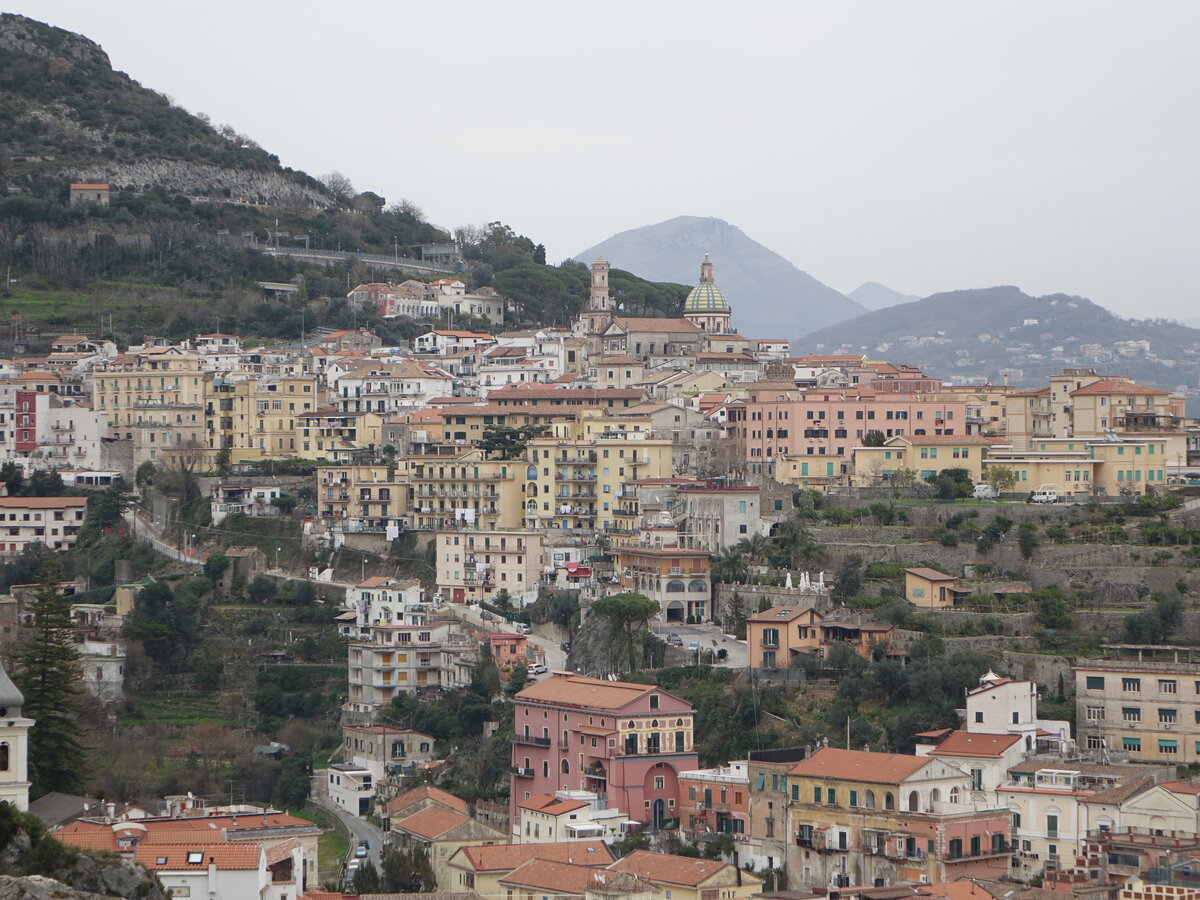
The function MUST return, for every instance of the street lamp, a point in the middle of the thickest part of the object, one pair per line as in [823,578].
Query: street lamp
[277,549]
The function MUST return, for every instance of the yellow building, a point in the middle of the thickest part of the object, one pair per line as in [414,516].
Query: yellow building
[257,418]
[573,477]
[923,455]
[810,471]
[1071,465]
[469,491]
[155,398]
[367,498]
[476,565]
[327,433]
[1144,701]
[685,878]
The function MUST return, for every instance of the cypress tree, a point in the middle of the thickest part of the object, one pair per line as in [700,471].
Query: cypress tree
[49,675]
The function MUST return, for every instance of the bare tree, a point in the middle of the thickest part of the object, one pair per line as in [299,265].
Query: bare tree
[339,185]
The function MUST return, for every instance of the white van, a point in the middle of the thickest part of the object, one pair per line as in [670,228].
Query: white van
[1044,495]
[985,492]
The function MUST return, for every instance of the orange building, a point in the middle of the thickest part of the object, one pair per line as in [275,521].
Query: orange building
[678,579]
[776,635]
[509,649]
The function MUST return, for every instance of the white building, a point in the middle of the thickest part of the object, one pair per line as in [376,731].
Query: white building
[385,750]
[388,386]
[103,666]
[53,521]
[351,787]
[382,600]
[566,816]
[440,342]
[1003,706]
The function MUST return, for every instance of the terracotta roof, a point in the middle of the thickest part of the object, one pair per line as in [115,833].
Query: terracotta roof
[633,323]
[550,805]
[1109,386]
[548,875]
[858,765]
[506,857]
[782,614]
[41,502]
[966,743]
[89,840]
[176,858]
[931,574]
[1182,787]
[670,869]
[918,439]
[432,822]
[281,851]
[578,690]
[428,792]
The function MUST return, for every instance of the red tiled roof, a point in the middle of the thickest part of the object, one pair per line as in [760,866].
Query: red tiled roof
[428,792]
[858,765]
[1117,387]
[966,743]
[671,869]
[176,858]
[506,857]
[432,822]
[548,875]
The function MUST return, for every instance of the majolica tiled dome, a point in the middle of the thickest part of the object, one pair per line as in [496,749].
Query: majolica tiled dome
[706,297]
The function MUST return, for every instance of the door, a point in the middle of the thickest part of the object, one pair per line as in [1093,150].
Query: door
[660,812]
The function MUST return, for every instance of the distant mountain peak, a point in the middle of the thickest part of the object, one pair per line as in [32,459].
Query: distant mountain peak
[874,295]
[770,296]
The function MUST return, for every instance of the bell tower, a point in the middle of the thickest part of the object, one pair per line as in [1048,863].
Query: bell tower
[599,308]
[14,745]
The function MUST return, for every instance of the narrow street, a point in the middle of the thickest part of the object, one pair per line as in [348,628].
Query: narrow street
[360,828]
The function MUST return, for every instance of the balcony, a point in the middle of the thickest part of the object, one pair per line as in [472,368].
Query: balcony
[1003,849]
[531,741]
[520,772]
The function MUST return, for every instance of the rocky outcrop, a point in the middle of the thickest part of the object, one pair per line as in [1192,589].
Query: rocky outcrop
[194,179]
[37,887]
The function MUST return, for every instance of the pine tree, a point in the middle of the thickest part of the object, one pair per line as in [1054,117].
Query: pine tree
[49,675]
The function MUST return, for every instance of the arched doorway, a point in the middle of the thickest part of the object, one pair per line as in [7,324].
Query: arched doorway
[675,611]
[659,808]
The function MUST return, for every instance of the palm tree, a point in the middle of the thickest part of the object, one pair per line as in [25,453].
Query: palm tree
[729,565]
[756,548]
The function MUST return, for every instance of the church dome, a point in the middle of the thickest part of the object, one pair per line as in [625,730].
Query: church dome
[11,699]
[706,297]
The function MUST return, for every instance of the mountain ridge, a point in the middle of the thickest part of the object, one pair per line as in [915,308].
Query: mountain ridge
[875,296]
[769,294]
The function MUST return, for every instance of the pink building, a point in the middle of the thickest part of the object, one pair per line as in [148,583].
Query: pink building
[626,742]
[509,649]
[778,419]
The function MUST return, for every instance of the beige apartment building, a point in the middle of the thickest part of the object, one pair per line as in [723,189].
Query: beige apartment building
[367,498]
[258,418]
[573,479]
[476,565]
[154,397]
[407,657]
[1142,700]
[469,491]
[1072,465]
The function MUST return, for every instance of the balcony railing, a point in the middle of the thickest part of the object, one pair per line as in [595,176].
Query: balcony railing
[530,740]
[520,772]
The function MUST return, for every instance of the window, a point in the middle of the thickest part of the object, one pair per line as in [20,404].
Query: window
[1131,743]
[1168,686]
[660,782]
[1170,748]
[1132,685]
[1131,713]
[1095,713]
[195,857]
[978,717]
[1167,716]
[1051,826]
[816,795]
[831,796]
[1096,683]
[854,798]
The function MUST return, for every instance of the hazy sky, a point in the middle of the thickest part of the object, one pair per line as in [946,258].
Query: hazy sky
[926,145]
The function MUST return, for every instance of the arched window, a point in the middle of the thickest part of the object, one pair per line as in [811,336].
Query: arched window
[4,757]
[566,767]
[545,768]
[697,586]
[675,587]
[914,802]
[953,795]
[935,796]
[869,799]
[889,802]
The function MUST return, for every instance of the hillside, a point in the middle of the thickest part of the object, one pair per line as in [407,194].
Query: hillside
[974,334]
[769,295]
[873,295]
[66,115]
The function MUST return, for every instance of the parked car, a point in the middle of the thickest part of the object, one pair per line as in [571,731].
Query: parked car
[487,616]
[693,646]
[1042,495]
[565,646]
[674,640]
[362,851]
[537,669]
[985,492]
[521,628]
